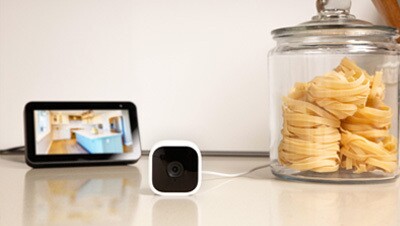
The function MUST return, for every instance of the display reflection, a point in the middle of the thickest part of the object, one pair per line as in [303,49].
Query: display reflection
[76,196]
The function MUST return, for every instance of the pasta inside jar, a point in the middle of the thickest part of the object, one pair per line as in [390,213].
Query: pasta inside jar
[338,120]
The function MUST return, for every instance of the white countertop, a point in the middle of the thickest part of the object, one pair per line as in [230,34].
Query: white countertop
[121,196]
[96,136]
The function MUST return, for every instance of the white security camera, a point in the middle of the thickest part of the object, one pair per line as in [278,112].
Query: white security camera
[175,168]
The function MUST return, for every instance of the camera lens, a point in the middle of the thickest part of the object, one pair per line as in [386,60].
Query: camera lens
[175,169]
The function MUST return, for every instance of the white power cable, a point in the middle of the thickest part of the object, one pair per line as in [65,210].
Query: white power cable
[235,174]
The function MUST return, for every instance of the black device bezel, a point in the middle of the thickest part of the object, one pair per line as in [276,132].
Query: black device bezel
[34,160]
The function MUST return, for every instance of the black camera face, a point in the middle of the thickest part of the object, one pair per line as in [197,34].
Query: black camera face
[175,169]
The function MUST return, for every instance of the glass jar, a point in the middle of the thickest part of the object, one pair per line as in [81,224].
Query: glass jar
[334,86]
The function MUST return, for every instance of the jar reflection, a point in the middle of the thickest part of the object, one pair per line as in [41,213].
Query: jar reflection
[325,204]
[73,196]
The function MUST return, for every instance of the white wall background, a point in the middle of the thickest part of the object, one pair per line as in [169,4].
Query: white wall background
[195,69]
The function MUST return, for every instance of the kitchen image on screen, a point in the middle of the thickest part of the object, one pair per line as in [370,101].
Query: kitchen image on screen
[82,132]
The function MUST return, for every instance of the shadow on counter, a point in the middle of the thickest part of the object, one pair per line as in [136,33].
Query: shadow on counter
[76,196]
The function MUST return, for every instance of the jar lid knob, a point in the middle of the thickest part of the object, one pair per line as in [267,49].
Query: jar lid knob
[334,19]
[333,9]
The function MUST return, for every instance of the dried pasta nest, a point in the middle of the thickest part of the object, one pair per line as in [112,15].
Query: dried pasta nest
[338,119]
[371,123]
[364,155]
[310,137]
[366,142]
[339,93]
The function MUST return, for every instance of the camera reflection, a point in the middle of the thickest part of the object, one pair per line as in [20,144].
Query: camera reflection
[76,196]
[175,211]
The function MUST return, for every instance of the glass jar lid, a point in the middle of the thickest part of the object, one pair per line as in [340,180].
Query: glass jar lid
[334,19]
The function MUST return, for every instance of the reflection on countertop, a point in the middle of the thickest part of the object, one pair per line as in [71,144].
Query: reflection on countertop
[115,196]
[76,196]
[180,211]
[333,204]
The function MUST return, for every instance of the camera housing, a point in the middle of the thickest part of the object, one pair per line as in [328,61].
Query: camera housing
[175,168]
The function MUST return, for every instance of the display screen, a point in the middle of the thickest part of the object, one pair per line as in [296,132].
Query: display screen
[72,132]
